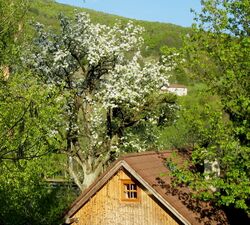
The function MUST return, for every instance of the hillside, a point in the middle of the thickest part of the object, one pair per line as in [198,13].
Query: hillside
[156,34]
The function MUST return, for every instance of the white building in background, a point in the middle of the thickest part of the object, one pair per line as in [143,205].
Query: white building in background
[178,89]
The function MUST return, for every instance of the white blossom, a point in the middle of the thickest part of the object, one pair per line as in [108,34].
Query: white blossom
[110,58]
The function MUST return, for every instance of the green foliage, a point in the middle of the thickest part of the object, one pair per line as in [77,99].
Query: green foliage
[12,16]
[207,134]
[182,133]
[217,53]
[214,141]
[29,129]
[25,196]
[30,118]
[222,42]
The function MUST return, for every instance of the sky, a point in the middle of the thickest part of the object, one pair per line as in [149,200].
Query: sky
[169,11]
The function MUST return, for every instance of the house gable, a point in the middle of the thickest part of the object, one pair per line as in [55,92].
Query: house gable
[145,169]
[107,207]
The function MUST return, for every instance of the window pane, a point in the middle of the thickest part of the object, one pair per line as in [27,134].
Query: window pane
[130,191]
[133,187]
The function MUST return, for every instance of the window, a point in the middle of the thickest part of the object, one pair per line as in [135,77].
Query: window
[129,191]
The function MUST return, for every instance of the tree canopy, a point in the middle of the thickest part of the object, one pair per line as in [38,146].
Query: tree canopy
[222,40]
[114,103]
[29,118]
[217,53]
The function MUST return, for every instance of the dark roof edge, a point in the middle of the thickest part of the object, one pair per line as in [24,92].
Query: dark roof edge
[135,154]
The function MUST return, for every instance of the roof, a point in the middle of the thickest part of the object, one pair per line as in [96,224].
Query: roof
[147,168]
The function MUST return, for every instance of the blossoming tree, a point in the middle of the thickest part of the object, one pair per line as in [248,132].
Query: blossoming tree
[114,102]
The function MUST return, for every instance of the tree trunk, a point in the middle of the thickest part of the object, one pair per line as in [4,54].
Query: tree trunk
[84,172]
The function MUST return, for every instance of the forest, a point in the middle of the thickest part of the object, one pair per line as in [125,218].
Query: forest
[80,88]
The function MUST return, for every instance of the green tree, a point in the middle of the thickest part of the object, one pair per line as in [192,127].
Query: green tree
[30,118]
[219,163]
[25,196]
[29,111]
[221,39]
[29,131]
[218,54]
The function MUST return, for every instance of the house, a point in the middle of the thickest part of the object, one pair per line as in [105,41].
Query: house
[178,89]
[134,192]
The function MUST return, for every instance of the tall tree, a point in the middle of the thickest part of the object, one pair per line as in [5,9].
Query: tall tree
[114,103]
[218,52]
[222,40]
[29,121]
[27,108]
[29,118]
